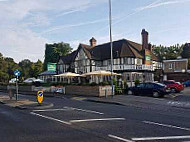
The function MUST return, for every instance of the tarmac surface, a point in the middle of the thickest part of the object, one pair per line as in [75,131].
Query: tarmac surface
[76,119]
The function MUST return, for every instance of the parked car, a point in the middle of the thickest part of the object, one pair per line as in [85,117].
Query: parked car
[174,86]
[13,80]
[186,83]
[149,89]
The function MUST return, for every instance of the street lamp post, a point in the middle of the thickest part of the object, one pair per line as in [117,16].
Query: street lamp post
[111,45]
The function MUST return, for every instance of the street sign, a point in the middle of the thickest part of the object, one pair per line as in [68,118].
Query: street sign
[40,96]
[17,73]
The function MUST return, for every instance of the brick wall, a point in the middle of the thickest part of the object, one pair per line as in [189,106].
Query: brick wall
[88,90]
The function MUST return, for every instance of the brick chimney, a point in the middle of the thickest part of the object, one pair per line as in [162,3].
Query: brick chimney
[150,47]
[92,42]
[144,34]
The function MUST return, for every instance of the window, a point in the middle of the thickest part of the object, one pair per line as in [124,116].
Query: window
[170,66]
[122,61]
[116,61]
[141,85]
[98,63]
[129,61]
[132,61]
[105,63]
[139,61]
[128,77]
[149,85]
[126,60]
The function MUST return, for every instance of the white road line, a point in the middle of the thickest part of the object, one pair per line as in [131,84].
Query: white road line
[101,119]
[166,125]
[50,118]
[90,111]
[49,110]
[119,138]
[160,138]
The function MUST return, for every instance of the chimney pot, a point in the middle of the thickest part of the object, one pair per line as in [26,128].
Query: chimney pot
[92,42]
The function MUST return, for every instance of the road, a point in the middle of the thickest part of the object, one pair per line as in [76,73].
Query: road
[73,120]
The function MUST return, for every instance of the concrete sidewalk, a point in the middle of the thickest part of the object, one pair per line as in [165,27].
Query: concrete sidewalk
[23,103]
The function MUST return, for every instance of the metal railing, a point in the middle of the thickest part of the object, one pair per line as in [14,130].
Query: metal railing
[126,67]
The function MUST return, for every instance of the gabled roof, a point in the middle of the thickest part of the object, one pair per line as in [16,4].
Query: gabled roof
[121,48]
[69,58]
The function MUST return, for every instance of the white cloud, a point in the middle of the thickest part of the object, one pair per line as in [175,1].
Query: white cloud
[19,18]
[72,25]
[159,4]
[20,43]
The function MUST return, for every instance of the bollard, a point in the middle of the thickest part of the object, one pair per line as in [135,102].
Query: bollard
[106,92]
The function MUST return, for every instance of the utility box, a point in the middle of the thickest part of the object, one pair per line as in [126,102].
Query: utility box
[11,91]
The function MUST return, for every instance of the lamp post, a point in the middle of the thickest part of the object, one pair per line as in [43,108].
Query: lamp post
[111,45]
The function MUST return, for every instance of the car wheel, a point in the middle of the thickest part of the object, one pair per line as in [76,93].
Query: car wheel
[156,94]
[130,92]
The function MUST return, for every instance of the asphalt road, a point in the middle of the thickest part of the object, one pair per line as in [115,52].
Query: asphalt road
[73,120]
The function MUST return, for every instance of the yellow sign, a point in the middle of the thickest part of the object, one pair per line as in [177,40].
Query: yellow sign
[40,96]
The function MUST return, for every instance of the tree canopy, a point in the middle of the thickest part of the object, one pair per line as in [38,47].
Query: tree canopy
[167,53]
[186,51]
[26,67]
[54,51]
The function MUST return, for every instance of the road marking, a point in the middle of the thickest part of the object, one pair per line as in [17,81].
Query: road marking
[166,125]
[160,138]
[178,104]
[101,119]
[41,110]
[50,118]
[119,138]
[90,111]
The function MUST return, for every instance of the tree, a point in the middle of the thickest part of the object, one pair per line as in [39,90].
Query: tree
[25,66]
[186,51]
[36,68]
[11,67]
[171,52]
[54,51]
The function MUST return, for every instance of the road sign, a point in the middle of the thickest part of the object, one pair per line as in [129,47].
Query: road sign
[40,96]
[17,73]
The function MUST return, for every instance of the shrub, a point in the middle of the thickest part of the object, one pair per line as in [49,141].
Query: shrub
[93,84]
[104,83]
[137,82]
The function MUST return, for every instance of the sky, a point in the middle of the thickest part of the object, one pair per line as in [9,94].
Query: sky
[27,25]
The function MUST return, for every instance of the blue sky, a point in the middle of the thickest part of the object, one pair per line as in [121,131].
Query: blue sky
[26,25]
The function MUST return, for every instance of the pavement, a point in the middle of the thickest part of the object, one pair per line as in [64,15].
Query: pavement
[23,103]
[181,100]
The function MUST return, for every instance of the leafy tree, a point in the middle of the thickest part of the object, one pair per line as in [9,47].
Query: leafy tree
[54,51]
[25,66]
[11,67]
[36,68]
[171,52]
[186,51]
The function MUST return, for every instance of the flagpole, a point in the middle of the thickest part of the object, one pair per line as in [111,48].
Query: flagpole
[111,45]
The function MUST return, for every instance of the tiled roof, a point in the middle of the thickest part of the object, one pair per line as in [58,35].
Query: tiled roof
[48,73]
[69,58]
[121,48]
